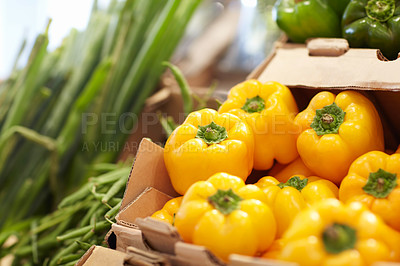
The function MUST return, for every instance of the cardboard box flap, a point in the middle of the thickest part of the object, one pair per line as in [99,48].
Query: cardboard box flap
[128,237]
[150,201]
[149,154]
[239,260]
[140,257]
[199,254]
[101,256]
[327,46]
[356,69]
[160,236]
[157,258]
[292,65]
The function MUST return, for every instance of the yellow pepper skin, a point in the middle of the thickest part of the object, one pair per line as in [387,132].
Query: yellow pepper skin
[226,216]
[274,250]
[191,155]
[269,109]
[282,173]
[288,199]
[330,233]
[373,179]
[330,139]
[168,211]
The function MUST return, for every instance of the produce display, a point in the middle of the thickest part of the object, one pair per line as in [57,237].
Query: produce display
[364,23]
[349,213]
[258,176]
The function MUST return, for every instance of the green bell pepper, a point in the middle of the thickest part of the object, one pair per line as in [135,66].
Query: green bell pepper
[373,24]
[303,19]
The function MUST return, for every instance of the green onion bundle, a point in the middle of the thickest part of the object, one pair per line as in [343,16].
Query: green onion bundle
[108,69]
[81,220]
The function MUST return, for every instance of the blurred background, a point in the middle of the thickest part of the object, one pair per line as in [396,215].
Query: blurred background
[224,41]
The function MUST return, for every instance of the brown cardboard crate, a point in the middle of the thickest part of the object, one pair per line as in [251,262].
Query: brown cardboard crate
[355,69]
[305,74]
[101,256]
[162,239]
[132,230]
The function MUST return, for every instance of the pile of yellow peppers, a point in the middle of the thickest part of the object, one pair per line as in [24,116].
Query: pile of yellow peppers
[330,194]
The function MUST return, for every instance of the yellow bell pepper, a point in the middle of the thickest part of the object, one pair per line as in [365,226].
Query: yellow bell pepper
[274,250]
[331,233]
[207,143]
[282,173]
[269,109]
[335,131]
[288,199]
[168,211]
[226,216]
[373,180]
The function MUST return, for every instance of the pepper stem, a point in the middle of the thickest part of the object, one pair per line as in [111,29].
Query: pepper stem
[380,183]
[380,10]
[253,105]
[328,120]
[338,237]
[225,201]
[212,133]
[295,182]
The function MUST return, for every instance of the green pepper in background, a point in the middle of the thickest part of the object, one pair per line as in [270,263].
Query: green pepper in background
[373,24]
[303,19]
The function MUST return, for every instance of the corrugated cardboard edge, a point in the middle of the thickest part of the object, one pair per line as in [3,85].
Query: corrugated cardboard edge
[197,254]
[148,151]
[127,237]
[260,68]
[131,240]
[159,236]
[151,198]
[239,260]
[85,256]
[164,238]
[100,254]
[144,258]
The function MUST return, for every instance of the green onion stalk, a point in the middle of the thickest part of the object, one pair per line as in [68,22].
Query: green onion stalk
[52,130]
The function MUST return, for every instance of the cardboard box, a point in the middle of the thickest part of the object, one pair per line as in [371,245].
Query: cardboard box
[306,71]
[101,256]
[356,69]
[148,189]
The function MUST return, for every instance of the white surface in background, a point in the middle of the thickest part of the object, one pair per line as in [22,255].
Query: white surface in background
[249,3]
[20,19]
